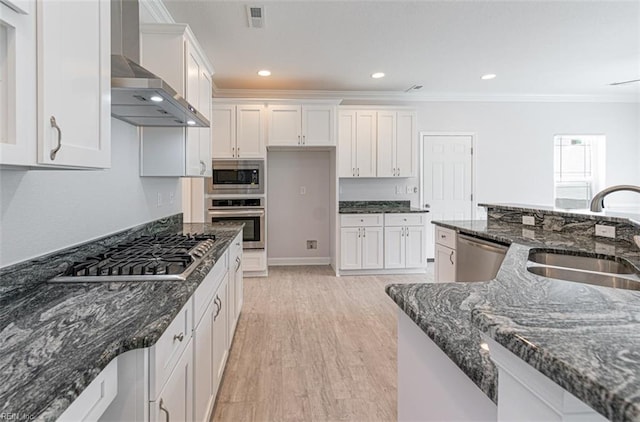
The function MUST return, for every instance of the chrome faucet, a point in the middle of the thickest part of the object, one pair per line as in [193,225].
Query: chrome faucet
[597,203]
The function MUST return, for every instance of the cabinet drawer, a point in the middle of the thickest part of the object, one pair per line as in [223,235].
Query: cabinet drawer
[446,237]
[361,220]
[404,219]
[164,355]
[205,290]
[95,399]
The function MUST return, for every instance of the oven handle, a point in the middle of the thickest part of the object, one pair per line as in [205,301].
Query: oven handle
[246,213]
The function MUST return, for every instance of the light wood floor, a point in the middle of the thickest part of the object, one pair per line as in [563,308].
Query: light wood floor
[313,347]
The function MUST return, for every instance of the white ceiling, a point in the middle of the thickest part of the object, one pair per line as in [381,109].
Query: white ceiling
[572,48]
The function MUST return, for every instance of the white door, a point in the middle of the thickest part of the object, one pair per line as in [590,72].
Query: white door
[445,265]
[386,126]
[366,144]
[394,247]
[175,401]
[346,143]
[204,393]
[447,180]
[220,332]
[415,252]
[223,131]
[284,125]
[317,125]
[74,83]
[406,144]
[249,137]
[350,248]
[372,247]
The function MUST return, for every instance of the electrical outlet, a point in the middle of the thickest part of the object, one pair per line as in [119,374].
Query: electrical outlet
[606,231]
[159,199]
[303,190]
[408,189]
[171,197]
[312,244]
[528,220]
[397,190]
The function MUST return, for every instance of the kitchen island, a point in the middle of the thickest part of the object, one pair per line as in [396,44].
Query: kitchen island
[57,337]
[584,338]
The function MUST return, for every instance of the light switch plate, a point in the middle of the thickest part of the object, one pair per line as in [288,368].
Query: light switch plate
[606,231]
[528,220]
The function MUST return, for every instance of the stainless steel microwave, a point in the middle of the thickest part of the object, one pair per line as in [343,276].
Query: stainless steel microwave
[231,177]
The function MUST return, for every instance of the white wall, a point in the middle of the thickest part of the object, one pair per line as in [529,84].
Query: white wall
[43,211]
[514,147]
[293,218]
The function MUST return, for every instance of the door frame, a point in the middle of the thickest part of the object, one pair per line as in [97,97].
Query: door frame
[421,142]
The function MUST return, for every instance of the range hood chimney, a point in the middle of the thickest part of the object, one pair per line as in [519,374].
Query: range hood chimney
[138,96]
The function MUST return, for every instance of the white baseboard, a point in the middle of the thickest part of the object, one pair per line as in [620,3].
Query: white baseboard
[383,271]
[320,260]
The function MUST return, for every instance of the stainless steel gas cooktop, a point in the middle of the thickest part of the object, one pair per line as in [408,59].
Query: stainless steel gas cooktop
[147,258]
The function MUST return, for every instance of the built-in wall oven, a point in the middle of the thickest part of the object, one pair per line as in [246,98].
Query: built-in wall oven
[236,177]
[249,211]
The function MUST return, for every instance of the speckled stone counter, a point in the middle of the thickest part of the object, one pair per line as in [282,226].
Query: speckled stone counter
[56,338]
[585,338]
[377,207]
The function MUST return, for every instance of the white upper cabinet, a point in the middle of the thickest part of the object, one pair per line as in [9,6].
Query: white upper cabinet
[356,143]
[55,86]
[238,131]
[396,144]
[301,125]
[172,52]
[346,143]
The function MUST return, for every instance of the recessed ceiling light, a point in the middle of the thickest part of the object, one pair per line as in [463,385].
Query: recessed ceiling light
[264,72]
[377,75]
[191,122]
[488,76]
[156,98]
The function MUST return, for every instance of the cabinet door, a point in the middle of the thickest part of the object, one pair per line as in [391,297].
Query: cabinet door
[350,248]
[372,247]
[347,144]
[416,246]
[249,132]
[366,144]
[386,144]
[445,265]
[204,379]
[74,83]
[406,144]
[223,131]
[220,331]
[394,247]
[317,125]
[193,166]
[284,125]
[205,132]
[175,401]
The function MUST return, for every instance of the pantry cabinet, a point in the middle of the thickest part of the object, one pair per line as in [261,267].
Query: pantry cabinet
[172,52]
[357,146]
[396,144]
[238,131]
[51,115]
[405,241]
[361,242]
[301,125]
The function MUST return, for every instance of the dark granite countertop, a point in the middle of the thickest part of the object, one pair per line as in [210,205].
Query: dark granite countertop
[378,207]
[585,338]
[56,338]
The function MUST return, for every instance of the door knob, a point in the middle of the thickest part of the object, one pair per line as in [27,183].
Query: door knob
[427,206]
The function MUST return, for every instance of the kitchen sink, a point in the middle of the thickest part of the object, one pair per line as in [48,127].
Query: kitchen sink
[584,269]
[586,263]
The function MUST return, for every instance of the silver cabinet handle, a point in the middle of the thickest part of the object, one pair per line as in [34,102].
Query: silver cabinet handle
[360,232]
[407,231]
[238,263]
[353,171]
[398,169]
[164,410]
[402,232]
[179,337]
[451,257]
[364,232]
[203,167]
[299,140]
[238,152]
[358,171]
[233,151]
[219,304]
[304,139]
[54,125]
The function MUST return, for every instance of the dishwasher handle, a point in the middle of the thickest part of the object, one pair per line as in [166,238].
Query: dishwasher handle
[482,244]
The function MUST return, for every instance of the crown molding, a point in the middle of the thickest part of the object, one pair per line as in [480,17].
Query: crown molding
[157,10]
[358,97]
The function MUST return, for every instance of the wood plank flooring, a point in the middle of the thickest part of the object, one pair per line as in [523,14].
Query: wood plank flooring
[310,346]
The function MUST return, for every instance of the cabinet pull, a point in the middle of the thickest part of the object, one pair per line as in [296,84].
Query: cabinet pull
[54,125]
[402,232]
[398,171]
[179,337]
[233,151]
[218,302]
[238,263]
[304,139]
[299,141]
[164,410]
[394,172]
[407,231]
[364,232]
[358,171]
[451,257]
[360,232]
[353,171]
[238,152]
[203,167]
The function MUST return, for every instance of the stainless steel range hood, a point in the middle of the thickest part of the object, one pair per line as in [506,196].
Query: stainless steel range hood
[138,96]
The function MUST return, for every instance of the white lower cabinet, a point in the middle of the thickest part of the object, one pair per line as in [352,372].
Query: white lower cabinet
[220,332]
[361,242]
[404,241]
[174,402]
[236,285]
[445,255]
[204,384]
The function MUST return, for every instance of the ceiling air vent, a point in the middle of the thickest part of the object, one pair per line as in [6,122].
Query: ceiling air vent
[255,16]
[624,82]
[413,88]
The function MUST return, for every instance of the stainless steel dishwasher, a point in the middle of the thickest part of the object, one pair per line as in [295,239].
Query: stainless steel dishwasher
[478,259]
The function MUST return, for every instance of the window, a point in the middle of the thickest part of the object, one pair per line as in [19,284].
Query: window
[578,169]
